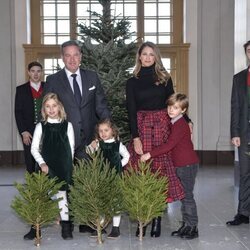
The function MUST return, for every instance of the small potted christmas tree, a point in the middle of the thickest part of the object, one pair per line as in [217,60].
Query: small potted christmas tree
[36,203]
[144,194]
[95,196]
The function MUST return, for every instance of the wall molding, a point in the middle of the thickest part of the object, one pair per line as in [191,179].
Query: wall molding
[206,158]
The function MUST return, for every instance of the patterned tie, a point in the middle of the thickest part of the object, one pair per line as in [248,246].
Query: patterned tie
[77,92]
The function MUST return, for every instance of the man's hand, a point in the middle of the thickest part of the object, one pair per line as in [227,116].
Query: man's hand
[27,138]
[145,157]
[236,141]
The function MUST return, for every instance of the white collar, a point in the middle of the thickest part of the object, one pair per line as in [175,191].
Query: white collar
[51,120]
[109,140]
[174,120]
[35,86]
[70,73]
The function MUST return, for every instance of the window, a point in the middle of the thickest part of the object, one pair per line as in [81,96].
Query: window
[159,21]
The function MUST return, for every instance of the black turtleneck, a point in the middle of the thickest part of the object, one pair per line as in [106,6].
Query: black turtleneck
[143,94]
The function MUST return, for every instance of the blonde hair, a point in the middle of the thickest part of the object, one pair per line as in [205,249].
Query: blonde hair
[180,98]
[110,124]
[61,114]
[160,71]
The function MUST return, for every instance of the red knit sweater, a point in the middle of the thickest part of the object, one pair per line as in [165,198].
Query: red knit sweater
[179,142]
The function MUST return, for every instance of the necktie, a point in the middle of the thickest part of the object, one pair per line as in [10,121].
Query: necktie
[77,92]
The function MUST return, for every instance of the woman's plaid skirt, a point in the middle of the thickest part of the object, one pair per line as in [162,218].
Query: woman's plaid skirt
[154,129]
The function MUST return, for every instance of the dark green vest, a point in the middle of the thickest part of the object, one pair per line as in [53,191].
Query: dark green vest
[111,153]
[56,151]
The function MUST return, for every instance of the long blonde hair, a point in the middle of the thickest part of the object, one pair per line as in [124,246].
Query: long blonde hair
[160,71]
[61,115]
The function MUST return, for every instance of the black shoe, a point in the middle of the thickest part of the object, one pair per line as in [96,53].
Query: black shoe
[156,227]
[66,230]
[179,231]
[85,229]
[115,233]
[138,231]
[238,219]
[31,235]
[189,232]
[94,233]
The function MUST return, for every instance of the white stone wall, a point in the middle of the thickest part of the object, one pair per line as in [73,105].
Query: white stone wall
[215,55]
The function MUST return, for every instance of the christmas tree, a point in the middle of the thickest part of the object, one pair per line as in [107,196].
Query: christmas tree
[36,203]
[107,50]
[144,194]
[95,196]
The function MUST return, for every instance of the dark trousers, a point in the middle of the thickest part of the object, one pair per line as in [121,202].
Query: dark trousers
[244,185]
[29,160]
[187,176]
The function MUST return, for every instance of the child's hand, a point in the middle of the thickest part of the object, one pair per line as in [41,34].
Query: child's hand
[145,157]
[93,144]
[44,167]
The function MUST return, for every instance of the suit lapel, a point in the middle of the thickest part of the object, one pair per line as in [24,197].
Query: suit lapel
[84,86]
[66,85]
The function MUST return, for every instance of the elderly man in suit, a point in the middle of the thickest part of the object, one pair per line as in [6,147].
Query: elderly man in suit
[81,93]
[240,134]
[28,102]
[83,98]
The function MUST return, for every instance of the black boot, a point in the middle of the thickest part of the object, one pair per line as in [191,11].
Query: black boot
[156,227]
[67,230]
[94,234]
[31,235]
[138,231]
[178,232]
[115,233]
[238,219]
[189,232]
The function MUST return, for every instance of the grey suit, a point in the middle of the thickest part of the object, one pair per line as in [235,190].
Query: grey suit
[240,128]
[93,105]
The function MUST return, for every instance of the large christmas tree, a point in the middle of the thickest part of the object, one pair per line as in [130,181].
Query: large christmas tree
[106,50]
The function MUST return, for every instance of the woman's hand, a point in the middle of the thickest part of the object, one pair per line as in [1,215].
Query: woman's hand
[138,146]
[44,167]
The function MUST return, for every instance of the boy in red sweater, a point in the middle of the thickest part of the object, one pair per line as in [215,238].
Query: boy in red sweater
[185,160]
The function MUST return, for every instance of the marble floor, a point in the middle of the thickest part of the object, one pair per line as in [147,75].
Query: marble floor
[216,198]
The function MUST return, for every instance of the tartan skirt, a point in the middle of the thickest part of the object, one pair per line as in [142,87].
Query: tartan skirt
[154,129]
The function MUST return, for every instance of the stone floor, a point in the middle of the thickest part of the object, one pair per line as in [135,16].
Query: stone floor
[216,199]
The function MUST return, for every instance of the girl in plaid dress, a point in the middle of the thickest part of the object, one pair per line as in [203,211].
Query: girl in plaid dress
[146,93]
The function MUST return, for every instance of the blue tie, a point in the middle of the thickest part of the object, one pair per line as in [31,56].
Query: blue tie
[77,92]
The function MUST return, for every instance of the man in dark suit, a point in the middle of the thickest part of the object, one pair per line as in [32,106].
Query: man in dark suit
[81,93]
[83,98]
[240,134]
[28,101]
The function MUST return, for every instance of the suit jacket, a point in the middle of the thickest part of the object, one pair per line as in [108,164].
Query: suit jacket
[92,108]
[24,108]
[239,106]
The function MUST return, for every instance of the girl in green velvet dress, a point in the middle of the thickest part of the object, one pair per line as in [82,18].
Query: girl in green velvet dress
[53,148]
[115,152]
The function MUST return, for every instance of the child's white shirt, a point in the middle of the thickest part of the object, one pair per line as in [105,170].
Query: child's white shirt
[35,145]
[122,150]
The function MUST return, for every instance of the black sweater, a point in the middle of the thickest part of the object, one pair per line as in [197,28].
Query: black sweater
[143,94]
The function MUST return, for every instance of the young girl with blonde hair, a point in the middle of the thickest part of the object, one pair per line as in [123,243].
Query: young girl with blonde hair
[53,149]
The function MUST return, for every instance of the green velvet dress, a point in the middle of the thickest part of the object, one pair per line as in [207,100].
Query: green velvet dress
[56,151]
[111,153]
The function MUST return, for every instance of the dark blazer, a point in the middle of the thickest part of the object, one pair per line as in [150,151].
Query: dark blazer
[24,108]
[239,106]
[92,108]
